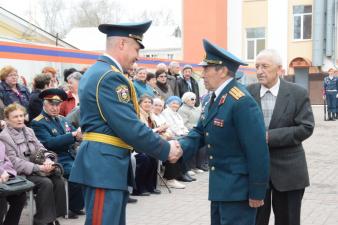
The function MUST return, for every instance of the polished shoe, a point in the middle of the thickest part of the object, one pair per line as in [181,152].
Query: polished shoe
[54,223]
[72,215]
[175,184]
[156,192]
[132,200]
[190,177]
[184,178]
[191,173]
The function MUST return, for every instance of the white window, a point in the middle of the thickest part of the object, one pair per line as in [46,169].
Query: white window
[302,22]
[255,42]
[170,56]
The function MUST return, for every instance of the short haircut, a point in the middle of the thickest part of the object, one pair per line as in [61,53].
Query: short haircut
[68,72]
[49,69]
[145,97]
[187,96]
[41,80]
[173,64]
[150,76]
[271,54]
[75,75]
[5,71]
[159,72]
[13,107]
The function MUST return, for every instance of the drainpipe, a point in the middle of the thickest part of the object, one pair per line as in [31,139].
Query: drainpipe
[318,32]
[329,27]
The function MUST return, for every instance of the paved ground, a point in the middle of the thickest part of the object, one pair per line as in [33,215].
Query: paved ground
[190,206]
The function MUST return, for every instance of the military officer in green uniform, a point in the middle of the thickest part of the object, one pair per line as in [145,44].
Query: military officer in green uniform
[232,128]
[111,127]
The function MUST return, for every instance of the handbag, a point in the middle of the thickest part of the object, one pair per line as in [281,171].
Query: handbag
[15,185]
[38,157]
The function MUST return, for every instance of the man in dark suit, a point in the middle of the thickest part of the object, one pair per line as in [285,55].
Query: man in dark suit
[289,121]
[232,129]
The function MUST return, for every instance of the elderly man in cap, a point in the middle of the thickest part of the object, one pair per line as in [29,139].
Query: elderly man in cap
[112,129]
[58,135]
[187,83]
[232,128]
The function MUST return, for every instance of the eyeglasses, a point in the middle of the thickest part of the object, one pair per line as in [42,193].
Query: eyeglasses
[164,76]
[13,75]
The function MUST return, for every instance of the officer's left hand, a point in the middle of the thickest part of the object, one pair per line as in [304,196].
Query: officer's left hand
[337,96]
[255,203]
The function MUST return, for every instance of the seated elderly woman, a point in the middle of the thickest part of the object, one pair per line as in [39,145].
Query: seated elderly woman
[21,143]
[172,170]
[146,166]
[16,202]
[190,115]
[178,129]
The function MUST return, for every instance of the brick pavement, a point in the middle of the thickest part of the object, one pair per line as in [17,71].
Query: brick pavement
[190,206]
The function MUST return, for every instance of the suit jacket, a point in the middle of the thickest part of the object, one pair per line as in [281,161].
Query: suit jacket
[291,123]
[234,133]
[106,108]
[183,87]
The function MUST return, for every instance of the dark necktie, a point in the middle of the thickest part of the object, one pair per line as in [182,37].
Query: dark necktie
[212,99]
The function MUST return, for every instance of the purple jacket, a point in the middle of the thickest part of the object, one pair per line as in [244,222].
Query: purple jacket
[5,163]
[18,142]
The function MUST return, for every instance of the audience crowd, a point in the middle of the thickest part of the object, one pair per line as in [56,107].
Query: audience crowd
[46,121]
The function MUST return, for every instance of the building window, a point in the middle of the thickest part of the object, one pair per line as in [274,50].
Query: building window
[170,56]
[302,22]
[255,42]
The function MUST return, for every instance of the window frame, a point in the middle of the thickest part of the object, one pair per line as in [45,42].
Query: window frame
[301,15]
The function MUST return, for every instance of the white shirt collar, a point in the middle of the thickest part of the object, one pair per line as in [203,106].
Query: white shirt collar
[220,88]
[274,89]
[115,61]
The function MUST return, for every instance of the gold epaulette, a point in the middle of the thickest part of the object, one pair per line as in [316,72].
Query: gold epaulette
[39,117]
[236,93]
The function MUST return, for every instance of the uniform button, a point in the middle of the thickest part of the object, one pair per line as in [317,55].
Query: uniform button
[211,157]
[209,146]
[206,134]
[212,168]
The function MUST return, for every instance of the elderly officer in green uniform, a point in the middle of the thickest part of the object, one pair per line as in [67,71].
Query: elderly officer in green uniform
[232,128]
[58,135]
[109,120]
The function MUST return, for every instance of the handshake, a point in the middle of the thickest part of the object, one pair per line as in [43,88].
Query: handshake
[175,151]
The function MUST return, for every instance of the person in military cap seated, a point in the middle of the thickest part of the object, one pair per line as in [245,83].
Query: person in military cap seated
[112,129]
[232,128]
[58,135]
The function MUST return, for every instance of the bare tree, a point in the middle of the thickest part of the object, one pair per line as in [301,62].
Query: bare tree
[51,11]
[162,17]
[91,14]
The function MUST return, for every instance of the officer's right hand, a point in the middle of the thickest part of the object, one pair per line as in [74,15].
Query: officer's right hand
[175,151]
[324,97]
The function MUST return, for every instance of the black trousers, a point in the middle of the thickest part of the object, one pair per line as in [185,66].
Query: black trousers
[16,204]
[173,170]
[145,174]
[286,207]
[50,198]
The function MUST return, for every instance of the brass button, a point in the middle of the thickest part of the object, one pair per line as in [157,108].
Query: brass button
[212,168]
[210,157]
[207,134]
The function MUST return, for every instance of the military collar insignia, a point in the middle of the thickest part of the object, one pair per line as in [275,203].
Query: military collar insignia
[123,93]
[222,100]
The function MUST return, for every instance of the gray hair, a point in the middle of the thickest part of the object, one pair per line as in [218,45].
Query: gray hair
[158,100]
[75,75]
[187,96]
[271,54]
[173,64]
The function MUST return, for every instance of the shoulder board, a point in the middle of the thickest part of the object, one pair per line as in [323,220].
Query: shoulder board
[236,93]
[39,117]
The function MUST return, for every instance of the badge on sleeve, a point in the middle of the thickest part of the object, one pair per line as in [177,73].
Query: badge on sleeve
[123,93]
[218,122]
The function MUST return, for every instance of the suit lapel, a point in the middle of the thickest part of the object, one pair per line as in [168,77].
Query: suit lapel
[281,105]
[212,111]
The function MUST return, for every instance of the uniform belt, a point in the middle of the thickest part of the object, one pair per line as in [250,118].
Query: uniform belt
[331,90]
[106,139]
